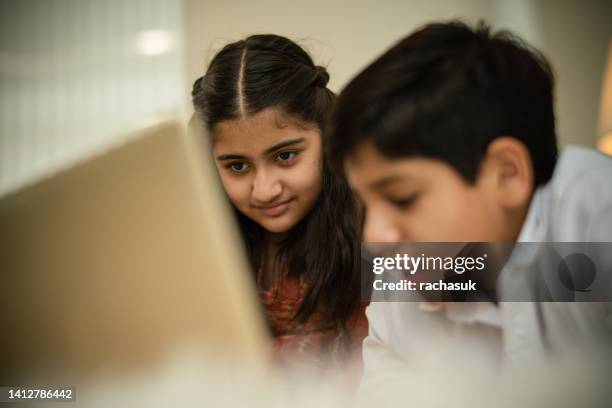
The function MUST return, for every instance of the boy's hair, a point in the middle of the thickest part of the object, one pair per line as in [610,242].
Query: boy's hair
[446,91]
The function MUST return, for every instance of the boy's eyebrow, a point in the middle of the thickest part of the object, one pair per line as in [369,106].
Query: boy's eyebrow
[269,150]
[286,143]
[383,182]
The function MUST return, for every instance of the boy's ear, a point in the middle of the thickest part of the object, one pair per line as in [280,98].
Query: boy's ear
[510,172]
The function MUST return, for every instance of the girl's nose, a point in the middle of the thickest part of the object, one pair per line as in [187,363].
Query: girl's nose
[266,188]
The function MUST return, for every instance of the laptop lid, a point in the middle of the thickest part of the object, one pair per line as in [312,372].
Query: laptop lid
[119,259]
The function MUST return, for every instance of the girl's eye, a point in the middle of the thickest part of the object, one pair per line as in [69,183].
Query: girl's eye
[238,167]
[285,156]
[404,202]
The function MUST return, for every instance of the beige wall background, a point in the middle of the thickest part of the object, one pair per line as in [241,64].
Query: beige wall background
[75,74]
[346,35]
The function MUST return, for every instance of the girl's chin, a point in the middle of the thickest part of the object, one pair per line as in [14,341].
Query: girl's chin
[277,228]
[278,225]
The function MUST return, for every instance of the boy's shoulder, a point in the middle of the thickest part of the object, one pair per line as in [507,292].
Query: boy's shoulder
[577,162]
[581,196]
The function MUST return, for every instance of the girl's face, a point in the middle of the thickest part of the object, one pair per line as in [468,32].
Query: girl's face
[270,166]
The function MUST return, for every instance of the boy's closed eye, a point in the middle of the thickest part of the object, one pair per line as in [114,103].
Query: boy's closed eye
[403,202]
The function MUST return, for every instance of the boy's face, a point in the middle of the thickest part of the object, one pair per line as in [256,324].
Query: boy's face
[419,199]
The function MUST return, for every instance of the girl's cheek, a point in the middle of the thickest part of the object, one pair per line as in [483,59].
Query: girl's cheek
[236,190]
[306,179]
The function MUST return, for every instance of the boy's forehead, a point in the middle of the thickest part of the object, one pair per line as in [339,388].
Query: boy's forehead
[363,153]
[365,165]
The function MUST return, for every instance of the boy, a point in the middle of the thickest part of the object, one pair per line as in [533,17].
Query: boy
[450,137]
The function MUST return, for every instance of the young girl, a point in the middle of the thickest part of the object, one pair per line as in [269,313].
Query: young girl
[264,103]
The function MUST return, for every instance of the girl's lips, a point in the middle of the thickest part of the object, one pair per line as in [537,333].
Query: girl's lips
[276,209]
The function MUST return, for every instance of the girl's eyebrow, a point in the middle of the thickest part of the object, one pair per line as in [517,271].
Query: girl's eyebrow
[230,157]
[269,150]
[286,143]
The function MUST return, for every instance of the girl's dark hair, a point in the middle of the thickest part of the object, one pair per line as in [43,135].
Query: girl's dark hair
[269,71]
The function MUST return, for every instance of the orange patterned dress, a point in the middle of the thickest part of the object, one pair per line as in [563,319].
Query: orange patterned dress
[314,342]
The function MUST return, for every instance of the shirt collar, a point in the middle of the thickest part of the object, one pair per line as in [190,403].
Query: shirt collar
[536,222]
[533,230]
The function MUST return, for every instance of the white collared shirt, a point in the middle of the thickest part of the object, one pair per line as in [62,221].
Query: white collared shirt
[575,205]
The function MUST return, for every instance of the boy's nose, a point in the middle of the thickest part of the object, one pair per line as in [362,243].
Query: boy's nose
[266,188]
[379,227]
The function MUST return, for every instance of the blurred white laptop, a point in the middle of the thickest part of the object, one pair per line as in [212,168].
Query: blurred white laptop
[120,259]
